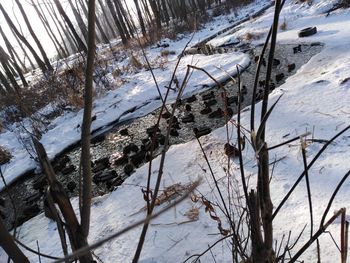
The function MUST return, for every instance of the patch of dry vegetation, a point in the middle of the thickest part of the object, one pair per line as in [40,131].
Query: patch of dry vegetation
[5,155]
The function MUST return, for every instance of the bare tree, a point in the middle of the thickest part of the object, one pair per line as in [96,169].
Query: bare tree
[86,125]
[38,60]
[60,9]
[32,33]
[59,49]
[10,247]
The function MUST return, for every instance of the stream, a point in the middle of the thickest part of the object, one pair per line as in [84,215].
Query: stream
[118,151]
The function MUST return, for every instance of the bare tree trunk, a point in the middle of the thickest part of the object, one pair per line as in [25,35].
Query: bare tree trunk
[107,17]
[86,125]
[58,25]
[139,14]
[41,64]
[116,21]
[8,244]
[14,60]
[70,25]
[59,196]
[121,20]
[11,50]
[6,84]
[32,33]
[4,60]
[79,20]
[59,49]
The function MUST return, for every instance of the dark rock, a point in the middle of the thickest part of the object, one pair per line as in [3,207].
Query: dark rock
[191,99]
[99,167]
[124,132]
[161,138]
[208,96]
[116,182]
[276,62]
[132,147]
[244,89]
[61,164]
[187,119]
[175,120]
[31,211]
[68,169]
[210,102]
[2,201]
[272,86]
[206,110]
[47,210]
[176,125]
[279,77]
[230,150]
[104,161]
[259,95]
[232,99]
[93,118]
[148,145]
[256,59]
[166,115]
[98,138]
[2,214]
[344,81]
[188,107]
[297,49]
[39,183]
[138,158]
[216,114]
[121,160]
[174,132]
[229,111]
[152,130]
[198,132]
[261,83]
[129,169]
[33,198]
[291,67]
[71,186]
[105,176]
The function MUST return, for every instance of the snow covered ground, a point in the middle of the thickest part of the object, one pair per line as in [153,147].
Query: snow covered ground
[315,99]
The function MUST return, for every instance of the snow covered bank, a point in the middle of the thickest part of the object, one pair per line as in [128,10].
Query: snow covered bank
[315,99]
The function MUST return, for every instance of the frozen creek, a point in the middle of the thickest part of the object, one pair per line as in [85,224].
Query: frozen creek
[119,150]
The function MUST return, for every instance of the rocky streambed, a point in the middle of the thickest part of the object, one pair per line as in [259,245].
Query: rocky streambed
[117,152]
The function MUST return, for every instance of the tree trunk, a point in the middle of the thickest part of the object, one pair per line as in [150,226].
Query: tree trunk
[57,24]
[139,14]
[41,64]
[32,33]
[59,49]
[70,25]
[107,18]
[8,244]
[120,18]
[86,125]
[116,21]
[79,20]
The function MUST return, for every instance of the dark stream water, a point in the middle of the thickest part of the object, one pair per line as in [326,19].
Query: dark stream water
[123,148]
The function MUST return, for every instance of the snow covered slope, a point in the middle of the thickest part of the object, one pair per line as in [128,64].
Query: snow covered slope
[315,99]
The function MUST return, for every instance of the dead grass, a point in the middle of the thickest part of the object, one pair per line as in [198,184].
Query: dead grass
[5,155]
[284,25]
[166,52]
[251,36]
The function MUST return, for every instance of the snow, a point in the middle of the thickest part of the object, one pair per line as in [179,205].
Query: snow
[313,100]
